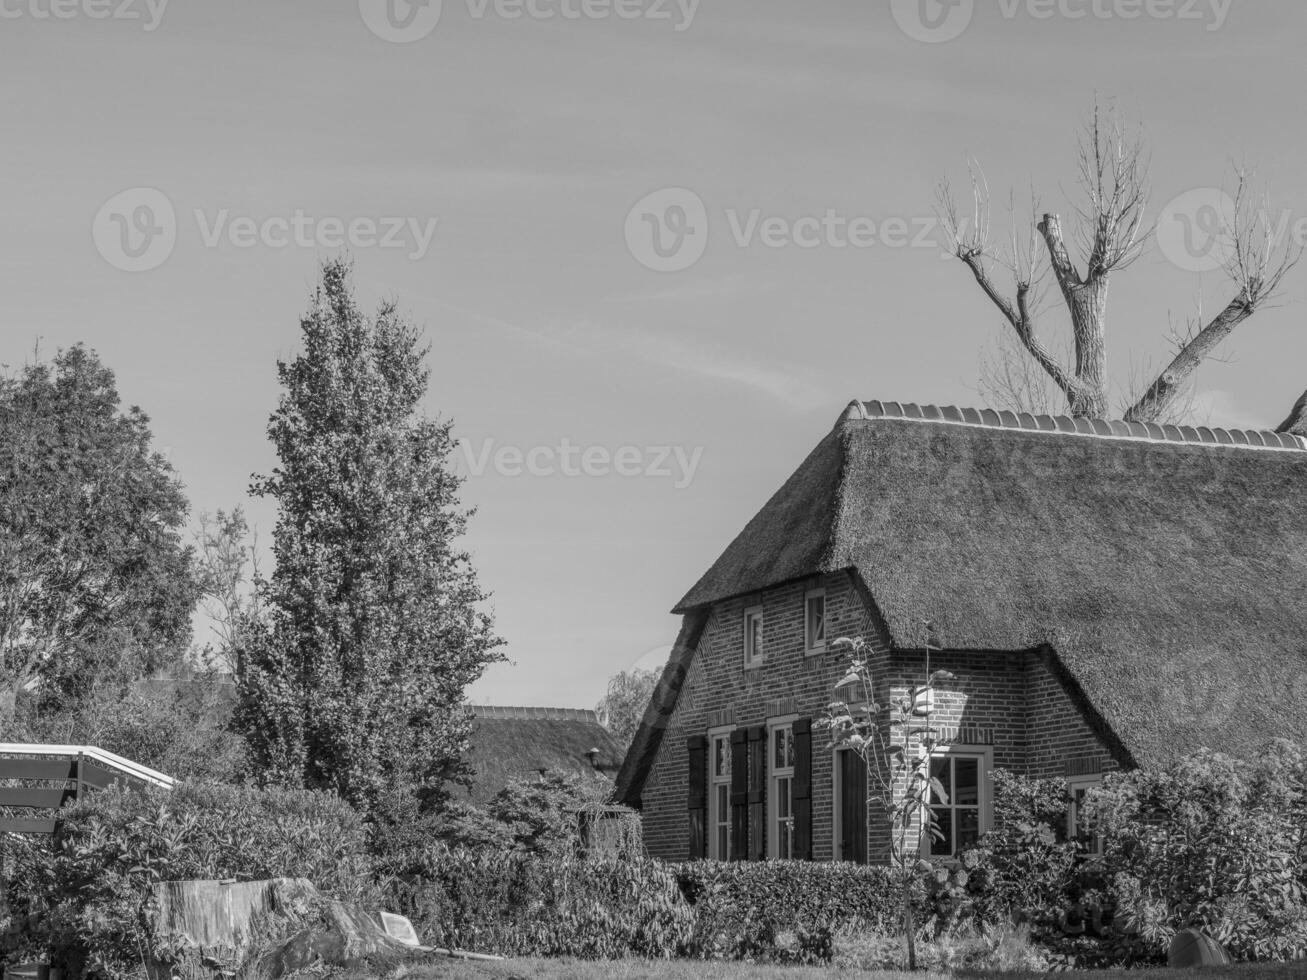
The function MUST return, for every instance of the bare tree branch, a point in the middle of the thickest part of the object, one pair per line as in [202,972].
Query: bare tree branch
[1114,170]
[971,245]
[1256,265]
[1296,423]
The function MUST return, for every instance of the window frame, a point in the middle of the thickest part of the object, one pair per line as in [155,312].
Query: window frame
[984,754]
[717,820]
[775,774]
[753,657]
[1074,784]
[820,646]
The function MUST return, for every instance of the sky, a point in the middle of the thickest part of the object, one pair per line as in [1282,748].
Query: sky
[657,246]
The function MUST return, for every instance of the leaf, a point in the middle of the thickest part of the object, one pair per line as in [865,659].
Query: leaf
[852,677]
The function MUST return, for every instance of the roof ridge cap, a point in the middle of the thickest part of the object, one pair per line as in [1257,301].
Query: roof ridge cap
[511,713]
[988,418]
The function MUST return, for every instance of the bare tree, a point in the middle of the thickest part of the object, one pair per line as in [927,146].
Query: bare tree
[227,566]
[1109,235]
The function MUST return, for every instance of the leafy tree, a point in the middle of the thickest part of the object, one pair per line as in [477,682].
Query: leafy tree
[539,815]
[96,585]
[354,680]
[543,815]
[177,724]
[624,705]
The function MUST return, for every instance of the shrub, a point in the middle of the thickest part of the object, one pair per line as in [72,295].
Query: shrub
[518,904]
[87,896]
[1025,869]
[1211,843]
[786,911]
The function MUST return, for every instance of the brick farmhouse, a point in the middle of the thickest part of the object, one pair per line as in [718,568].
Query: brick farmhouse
[1108,595]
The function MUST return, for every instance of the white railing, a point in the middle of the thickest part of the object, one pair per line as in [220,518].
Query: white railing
[126,766]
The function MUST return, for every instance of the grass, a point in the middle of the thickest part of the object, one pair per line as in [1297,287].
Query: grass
[640,970]
[689,970]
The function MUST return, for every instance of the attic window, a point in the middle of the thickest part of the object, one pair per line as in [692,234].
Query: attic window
[753,636]
[814,621]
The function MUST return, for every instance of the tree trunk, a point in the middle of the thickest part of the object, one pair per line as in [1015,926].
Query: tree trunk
[1088,305]
[1086,301]
[909,924]
[8,712]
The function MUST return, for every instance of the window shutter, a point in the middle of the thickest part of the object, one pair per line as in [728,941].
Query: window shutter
[739,795]
[758,793]
[802,792]
[697,799]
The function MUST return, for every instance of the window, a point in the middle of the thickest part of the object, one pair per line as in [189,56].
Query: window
[719,795]
[781,806]
[814,621]
[753,636]
[964,817]
[1077,827]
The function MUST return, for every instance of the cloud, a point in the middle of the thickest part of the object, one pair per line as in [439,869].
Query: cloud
[798,387]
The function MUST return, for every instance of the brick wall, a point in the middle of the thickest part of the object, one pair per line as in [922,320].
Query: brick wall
[1011,700]
[1061,742]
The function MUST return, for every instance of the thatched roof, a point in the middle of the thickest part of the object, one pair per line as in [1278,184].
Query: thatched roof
[1165,567]
[513,743]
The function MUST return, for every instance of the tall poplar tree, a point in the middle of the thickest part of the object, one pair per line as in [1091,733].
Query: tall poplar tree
[354,678]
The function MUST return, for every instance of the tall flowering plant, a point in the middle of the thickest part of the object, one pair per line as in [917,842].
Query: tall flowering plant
[895,742]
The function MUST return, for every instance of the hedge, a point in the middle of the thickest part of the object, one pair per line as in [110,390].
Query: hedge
[517,904]
[783,910]
[535,905]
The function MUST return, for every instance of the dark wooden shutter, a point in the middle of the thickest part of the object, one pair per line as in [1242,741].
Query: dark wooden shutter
[739,795]
[758,793]
[802,790]
[696,747]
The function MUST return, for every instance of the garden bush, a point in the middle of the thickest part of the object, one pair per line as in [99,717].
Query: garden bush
[786,911]
[1213,843]
[85,896]
[1025,870]
[521,904]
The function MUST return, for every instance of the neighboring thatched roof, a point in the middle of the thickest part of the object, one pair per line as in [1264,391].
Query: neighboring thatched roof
[513,743]
[1166,567]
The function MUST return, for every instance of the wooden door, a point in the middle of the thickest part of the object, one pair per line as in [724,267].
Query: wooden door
[853,807]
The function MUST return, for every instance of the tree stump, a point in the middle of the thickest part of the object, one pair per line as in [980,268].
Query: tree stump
[262,930]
